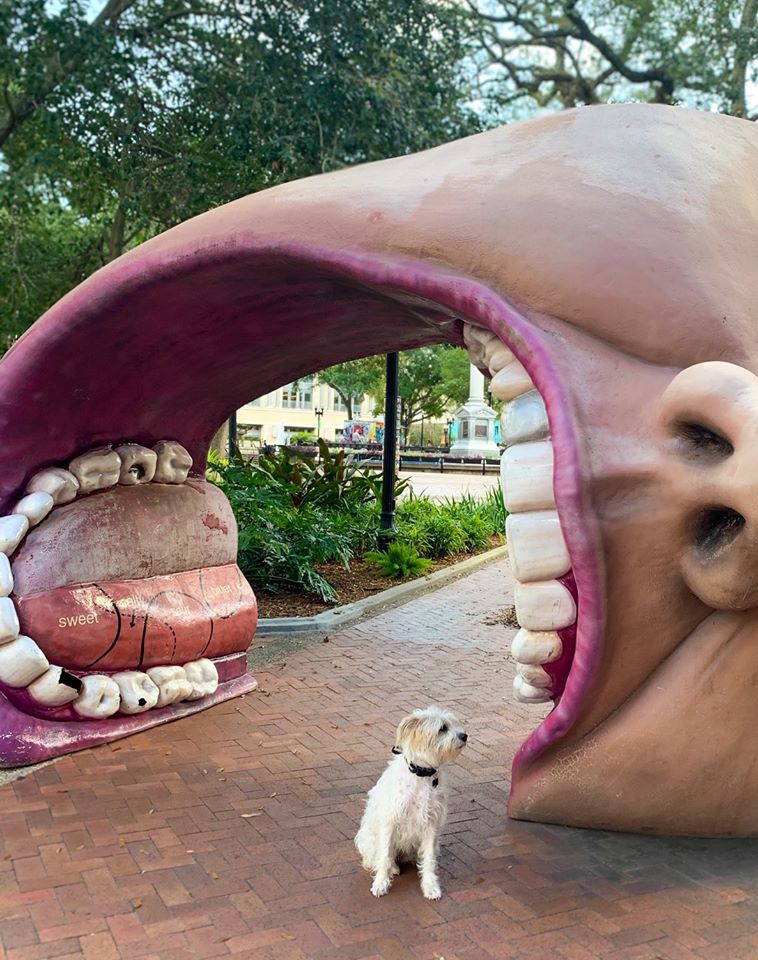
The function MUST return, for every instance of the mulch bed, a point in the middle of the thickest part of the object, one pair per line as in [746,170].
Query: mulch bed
[361,580]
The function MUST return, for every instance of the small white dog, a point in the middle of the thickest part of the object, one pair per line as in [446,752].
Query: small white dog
[407,808]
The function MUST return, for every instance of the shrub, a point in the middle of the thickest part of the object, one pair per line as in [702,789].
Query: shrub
[399,561]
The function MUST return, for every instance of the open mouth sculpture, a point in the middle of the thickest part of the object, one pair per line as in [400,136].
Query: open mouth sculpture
[600,266]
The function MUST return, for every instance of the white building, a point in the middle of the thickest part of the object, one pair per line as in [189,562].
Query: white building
[277,416]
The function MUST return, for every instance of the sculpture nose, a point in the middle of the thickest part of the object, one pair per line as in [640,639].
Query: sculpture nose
[710,415]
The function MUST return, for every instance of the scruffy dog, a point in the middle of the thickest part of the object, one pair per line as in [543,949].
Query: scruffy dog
[407,808]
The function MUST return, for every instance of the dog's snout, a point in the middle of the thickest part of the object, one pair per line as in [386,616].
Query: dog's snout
[463,737]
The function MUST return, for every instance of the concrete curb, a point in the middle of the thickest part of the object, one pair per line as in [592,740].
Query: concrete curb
[370,606]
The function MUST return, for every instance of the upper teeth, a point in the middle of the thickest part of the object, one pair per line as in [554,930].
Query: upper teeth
[537,548]
[22,662]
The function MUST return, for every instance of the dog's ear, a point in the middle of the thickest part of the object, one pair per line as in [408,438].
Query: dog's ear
[406,728]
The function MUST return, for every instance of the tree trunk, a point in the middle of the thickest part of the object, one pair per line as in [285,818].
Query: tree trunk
[117,233]
[738,104]
[220,441]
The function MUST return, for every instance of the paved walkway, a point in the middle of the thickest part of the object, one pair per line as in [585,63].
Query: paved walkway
[441,486]
[230,834]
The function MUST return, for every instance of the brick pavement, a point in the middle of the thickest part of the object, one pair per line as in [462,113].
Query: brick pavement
[230,833]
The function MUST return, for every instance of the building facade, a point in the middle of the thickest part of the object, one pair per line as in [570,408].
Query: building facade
[276,417]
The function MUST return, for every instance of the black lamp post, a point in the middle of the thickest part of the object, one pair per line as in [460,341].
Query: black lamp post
[319,411]
[232,435]
[389,453]
[447,432]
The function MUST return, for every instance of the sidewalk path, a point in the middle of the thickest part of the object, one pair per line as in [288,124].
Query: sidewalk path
[453,486]
[230,833]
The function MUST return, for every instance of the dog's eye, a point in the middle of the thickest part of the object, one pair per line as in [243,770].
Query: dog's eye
[443,728]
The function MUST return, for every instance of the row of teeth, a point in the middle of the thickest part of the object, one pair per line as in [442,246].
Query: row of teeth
[537,549]
[22,662]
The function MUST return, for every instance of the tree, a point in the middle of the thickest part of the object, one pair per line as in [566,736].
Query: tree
[537,54]
[430,380]
[127,118]
[355,379]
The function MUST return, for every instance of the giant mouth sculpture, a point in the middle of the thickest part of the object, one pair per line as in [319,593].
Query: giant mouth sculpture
[600,265]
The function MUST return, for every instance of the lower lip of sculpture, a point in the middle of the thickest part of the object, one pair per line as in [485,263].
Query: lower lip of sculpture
[136,624]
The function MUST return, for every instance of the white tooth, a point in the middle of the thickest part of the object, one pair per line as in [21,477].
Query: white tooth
[526,473]
[536,646]
[526,693]
[525,418]
[96,470]
[544,606]
[21,662]
[511,381]
[35,507]
[51,691]
[534,675]
[138,692]
[172,684]
[6,576]
[203,676]
[137,464]
[61,484]
[476,356]
[99,697]
[477,335]
[13,529]
[174,462]
[499,358]
[536,546]
[9,625]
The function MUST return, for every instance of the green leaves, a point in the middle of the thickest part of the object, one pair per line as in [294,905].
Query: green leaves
[294,514]
[133,116]
[399,561]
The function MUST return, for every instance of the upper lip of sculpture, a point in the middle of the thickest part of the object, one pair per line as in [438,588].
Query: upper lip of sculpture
[578,525]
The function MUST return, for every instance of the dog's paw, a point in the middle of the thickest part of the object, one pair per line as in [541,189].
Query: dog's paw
[395,871]
[431,889]
[381,886]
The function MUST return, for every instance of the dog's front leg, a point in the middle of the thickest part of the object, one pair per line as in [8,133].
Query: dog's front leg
[427,866]
[383,863]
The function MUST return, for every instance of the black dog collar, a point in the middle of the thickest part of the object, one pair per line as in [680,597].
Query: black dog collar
[420,771]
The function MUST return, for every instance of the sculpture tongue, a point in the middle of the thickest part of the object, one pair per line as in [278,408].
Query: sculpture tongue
[128,533]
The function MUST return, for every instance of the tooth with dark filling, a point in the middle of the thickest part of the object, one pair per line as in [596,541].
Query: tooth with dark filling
[600,266]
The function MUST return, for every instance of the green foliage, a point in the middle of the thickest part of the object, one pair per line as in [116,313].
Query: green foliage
[400,560]
[354,379]
[126,117]
[295,514]
[331,481]
[441,530]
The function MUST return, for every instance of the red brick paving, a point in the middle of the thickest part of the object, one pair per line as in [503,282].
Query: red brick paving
[230,833]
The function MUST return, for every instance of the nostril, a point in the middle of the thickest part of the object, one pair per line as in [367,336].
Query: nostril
[700,442]
[463,737]
[716,529]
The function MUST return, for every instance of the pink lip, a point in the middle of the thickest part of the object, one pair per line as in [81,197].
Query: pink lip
[271,313]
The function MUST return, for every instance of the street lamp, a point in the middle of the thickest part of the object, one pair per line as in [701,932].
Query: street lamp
[447,432]
[389,452]
[319,411]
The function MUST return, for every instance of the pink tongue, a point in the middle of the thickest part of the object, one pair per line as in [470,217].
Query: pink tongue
[123,624]
[558,670]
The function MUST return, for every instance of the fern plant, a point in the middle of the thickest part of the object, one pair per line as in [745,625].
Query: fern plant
[399,561]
